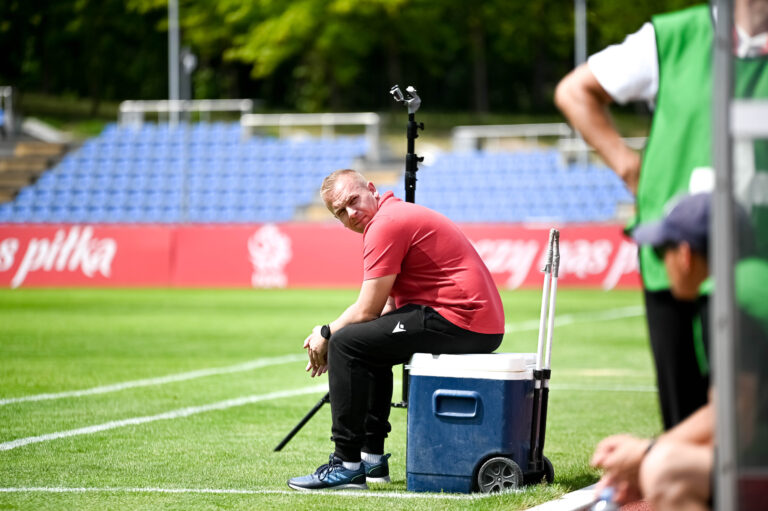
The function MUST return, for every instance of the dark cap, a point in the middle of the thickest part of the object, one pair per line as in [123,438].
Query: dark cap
[687,221]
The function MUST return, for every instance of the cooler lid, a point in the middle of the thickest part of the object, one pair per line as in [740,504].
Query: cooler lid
[501,366]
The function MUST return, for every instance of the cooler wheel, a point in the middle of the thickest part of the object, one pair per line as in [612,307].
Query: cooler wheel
[549,471]
[499,474]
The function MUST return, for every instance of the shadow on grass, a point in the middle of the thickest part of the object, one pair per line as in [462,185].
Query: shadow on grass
[576,481]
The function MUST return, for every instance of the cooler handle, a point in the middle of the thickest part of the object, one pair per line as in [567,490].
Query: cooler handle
[467,401]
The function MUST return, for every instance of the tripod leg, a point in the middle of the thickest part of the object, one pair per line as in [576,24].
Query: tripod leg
[326,399]
[406,381]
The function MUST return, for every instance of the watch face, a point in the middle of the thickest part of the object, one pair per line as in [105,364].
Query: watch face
[325,331]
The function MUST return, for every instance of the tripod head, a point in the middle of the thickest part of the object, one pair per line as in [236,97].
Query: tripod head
[411,99]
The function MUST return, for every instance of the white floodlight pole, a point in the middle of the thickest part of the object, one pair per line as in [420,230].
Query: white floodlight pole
[580,31]
[173,60]
[580,56]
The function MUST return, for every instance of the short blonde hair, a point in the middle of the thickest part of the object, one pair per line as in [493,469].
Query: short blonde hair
[330,182]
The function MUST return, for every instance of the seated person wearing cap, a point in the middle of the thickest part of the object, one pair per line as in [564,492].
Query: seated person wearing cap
[674,471]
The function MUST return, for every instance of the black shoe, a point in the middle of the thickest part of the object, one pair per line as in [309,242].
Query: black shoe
[377,472]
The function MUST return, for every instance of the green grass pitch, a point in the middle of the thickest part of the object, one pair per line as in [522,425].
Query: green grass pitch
[186,393]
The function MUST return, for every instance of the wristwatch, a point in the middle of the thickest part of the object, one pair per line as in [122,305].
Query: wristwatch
[325,331]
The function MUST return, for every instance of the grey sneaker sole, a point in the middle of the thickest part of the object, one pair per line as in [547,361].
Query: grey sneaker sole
[339,487]
[384,479]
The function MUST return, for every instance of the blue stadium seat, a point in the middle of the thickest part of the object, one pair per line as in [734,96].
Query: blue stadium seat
[167,214]
[130,174]
[76,213]
[113,213]
[21,212]
[6,212]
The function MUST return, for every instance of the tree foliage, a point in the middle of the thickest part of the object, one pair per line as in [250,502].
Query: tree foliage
[311,55]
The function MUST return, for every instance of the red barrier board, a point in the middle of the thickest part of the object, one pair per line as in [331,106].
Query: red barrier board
[269,255]
[84,255]
[284,255]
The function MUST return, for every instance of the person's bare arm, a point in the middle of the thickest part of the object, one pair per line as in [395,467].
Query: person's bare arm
[585,103]
[374,295]
[389,307]
[698,428]
[620,456]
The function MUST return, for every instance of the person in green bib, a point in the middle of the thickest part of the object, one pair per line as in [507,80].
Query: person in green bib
[668,64]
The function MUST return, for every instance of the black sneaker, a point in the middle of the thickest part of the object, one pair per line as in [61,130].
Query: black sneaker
[331,476]
[377,472]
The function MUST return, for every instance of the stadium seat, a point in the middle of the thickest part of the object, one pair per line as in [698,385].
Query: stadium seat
[130,174]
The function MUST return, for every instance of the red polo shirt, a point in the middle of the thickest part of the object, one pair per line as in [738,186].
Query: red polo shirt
[435,263]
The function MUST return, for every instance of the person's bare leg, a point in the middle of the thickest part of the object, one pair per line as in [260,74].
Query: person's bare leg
[677,476]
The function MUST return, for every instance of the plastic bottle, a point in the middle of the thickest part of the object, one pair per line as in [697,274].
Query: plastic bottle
[605,501]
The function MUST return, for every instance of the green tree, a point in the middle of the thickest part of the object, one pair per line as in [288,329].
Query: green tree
[86,48]
[311,55]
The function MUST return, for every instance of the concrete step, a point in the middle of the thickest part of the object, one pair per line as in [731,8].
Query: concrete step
[381,173]
[27,163]
[39,149]
[384,177]
[21,173]
[28,160]
[13,180]
[7,195]
[314,213]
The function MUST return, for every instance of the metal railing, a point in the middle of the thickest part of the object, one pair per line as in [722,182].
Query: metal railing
[6,104]
[327,122]
[572,145]
[132,112]
[466,138]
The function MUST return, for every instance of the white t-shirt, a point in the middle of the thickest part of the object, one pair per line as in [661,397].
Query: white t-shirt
[630,71]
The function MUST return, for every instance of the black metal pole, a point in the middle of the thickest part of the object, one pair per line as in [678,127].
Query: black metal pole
[411,167]
[326,399]
[411,158]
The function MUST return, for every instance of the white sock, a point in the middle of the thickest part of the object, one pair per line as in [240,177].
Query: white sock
[351,465]
[371,458]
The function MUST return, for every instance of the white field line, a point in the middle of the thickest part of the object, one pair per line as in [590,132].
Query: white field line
[604,388]
[234,491]
[578,500]
[579,317]
[588,317]
[522,326]
[173,414]
[160,380]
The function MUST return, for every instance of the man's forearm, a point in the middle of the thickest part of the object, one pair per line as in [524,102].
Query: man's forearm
[389,307]
[698,428]
[585,104]
[374,296]
[353,314]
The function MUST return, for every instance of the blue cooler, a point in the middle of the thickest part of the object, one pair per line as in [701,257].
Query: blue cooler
[464,410]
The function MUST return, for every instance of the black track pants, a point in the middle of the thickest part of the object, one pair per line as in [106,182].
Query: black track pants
[360,360]
[682,387]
